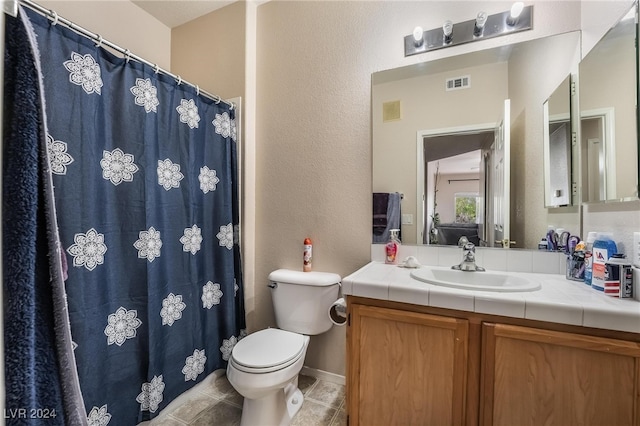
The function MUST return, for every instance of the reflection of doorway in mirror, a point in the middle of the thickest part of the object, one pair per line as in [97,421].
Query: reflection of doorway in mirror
[458,152]
[598,155]
[596,188]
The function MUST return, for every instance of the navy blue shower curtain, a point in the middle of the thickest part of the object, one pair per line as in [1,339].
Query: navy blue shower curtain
[145,176]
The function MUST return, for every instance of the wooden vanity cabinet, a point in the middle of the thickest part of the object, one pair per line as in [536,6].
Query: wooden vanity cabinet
[532,376]
[406,368]
[417,365]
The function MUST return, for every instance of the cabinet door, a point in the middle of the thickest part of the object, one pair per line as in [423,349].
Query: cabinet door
[406,368]
[540,377]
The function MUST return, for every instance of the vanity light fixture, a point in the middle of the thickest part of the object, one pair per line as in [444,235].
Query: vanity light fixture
[484,26]
[418,36]
[481,19]
[514,13]
[447,32]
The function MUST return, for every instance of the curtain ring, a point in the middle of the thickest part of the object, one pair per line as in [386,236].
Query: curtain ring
[197,90]
[100,39]
[218,99]
[127,55]
[54,14]
[179,80]
[233,105]
[156,68]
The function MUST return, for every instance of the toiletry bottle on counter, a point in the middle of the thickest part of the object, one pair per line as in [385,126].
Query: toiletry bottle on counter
[392,248]
[603,248]
[307,255]
[619,277]
[588,258]
[542,245]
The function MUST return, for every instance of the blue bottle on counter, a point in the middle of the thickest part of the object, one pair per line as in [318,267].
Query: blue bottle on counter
[603,248]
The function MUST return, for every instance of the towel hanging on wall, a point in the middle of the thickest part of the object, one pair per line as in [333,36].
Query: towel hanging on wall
[385,217]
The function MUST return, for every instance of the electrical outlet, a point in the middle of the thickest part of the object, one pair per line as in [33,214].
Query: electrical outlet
[636,249]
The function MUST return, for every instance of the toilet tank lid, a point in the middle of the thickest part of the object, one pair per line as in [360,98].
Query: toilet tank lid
[320,279]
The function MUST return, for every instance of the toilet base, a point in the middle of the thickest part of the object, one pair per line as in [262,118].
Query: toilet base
[276,409]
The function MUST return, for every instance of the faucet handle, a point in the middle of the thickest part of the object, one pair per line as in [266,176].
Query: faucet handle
[469,246]
[506,243]
[462,241]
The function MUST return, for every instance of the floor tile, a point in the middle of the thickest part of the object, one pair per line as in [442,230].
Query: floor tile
[313,414]
[193,407]
[217,388]
[328,393]
[218,403]
[305,383]
[340,419]
[167,421]
[219,414]
[234,398]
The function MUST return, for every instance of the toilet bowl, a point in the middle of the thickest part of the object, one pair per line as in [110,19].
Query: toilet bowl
[264,368]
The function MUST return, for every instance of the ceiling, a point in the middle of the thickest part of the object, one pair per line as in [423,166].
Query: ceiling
[173,13]
[467,163]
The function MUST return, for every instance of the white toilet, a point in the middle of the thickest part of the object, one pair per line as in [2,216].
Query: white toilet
[264,365]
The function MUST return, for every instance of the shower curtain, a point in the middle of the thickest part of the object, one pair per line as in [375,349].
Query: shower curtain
[146,191]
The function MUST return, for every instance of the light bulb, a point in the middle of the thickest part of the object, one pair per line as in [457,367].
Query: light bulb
[418,35]
[447,29]
[481,19]
[515,12]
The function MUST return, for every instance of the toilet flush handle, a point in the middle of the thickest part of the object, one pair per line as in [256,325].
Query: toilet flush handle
[272,285]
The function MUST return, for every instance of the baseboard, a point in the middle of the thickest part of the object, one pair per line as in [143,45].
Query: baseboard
[323,375]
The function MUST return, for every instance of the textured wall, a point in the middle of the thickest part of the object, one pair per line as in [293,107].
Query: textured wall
[122,23]
[314,66]
[209,51]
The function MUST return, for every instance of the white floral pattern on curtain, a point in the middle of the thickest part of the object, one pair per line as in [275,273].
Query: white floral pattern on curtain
[145,174]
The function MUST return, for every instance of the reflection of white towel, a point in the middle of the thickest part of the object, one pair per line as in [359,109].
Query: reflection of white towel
[393,218]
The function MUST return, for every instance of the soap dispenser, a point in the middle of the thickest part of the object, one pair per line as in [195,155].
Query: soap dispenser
[393,247]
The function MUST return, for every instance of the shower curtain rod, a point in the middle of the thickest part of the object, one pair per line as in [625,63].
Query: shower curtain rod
[53,16]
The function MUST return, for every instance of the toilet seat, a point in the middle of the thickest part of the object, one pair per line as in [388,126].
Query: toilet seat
[267,350]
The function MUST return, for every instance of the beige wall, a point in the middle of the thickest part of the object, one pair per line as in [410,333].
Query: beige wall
[209,51]
[314,66]
[122,23]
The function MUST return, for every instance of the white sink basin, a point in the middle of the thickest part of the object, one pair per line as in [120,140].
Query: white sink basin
[480,281]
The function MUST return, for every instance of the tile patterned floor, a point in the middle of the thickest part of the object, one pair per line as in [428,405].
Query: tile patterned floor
[216,402]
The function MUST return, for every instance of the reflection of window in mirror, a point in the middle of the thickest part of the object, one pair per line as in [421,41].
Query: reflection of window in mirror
[466,205]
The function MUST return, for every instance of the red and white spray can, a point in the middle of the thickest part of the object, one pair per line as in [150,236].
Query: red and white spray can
[307,255]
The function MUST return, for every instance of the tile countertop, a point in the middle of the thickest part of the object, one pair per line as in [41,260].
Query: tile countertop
[558,300]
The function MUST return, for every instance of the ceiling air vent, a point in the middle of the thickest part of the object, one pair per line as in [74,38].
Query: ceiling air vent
[458,83]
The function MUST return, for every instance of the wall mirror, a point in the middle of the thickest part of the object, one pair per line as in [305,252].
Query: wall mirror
[437,130]
[557,147]
[608,133]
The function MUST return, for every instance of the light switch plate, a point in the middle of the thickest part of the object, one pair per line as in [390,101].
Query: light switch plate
[407,219]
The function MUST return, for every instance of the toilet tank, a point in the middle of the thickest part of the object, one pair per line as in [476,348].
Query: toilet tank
[301,300]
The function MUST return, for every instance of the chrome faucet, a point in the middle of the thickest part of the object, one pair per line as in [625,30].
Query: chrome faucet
[468,263]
